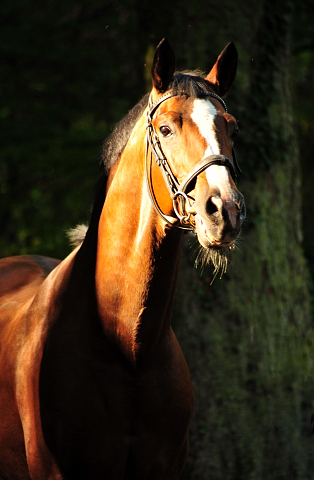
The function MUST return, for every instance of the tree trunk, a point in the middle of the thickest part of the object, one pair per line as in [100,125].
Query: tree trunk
[248,337]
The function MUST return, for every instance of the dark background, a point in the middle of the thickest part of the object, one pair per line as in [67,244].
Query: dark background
[69,72]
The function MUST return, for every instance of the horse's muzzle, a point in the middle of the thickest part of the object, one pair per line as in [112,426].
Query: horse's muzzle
[218,221]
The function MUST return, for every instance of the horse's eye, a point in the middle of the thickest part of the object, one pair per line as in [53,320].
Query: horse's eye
[165,131]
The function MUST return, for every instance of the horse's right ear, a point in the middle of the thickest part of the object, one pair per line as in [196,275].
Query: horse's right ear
[224,71]
[163,66]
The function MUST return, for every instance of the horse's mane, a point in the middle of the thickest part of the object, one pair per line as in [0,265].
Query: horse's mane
[117,140]
[191,83]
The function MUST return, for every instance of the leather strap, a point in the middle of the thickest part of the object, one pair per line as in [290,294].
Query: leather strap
[178,192]
[189,180]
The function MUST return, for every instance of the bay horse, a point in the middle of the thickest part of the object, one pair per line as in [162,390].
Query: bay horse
[93,382]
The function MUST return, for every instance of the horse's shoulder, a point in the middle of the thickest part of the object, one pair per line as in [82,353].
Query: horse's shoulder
[23,271]
[23,329]
[21,279]
[17,272]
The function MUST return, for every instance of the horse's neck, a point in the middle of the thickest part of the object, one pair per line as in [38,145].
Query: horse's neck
[137,261]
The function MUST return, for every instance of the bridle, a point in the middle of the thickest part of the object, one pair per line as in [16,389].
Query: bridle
[178,191]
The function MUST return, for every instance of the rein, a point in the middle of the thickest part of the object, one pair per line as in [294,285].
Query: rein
[178,191]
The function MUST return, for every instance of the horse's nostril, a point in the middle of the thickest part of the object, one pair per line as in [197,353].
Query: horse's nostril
[213,205]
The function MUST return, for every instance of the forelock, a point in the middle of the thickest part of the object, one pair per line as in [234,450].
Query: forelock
[190,83]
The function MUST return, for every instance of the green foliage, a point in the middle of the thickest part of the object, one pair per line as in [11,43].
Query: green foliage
[67,77]
[249,345]
[249,340]
[303,78]
[264,96]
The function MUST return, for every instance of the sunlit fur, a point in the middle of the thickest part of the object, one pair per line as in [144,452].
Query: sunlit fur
[93,382]
[190,83]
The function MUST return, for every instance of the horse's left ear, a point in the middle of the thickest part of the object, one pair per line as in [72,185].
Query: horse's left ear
[163,66]
[224,71]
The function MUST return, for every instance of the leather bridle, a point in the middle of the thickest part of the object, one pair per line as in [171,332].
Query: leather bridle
[178,191]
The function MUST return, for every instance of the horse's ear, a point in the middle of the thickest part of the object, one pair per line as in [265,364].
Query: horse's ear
[163,66]
[224,71]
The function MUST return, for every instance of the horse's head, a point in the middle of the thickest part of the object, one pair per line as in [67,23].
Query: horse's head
[192,134]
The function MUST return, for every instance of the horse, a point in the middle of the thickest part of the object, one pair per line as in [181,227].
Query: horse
[93,382]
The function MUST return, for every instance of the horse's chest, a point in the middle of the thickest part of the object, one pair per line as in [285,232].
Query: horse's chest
[111,419]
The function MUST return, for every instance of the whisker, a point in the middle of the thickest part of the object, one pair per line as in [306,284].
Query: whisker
[238,243]
[206,256]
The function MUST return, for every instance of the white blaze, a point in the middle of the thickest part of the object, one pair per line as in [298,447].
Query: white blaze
[203,115]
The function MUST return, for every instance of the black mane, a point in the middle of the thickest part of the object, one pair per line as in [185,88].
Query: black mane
[117,140]
[188,83]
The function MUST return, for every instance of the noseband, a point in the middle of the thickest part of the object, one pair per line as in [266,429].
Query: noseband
[179,191]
